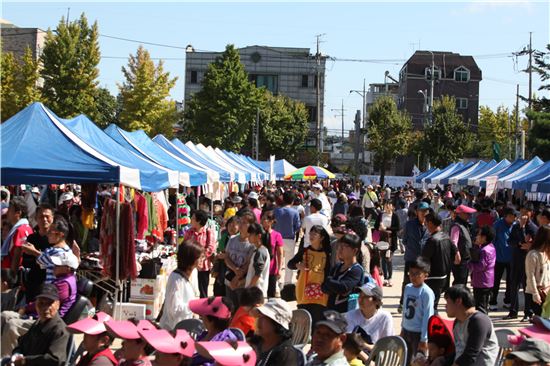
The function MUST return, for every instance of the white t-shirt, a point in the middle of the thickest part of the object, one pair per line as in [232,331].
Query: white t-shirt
[312,220]
[259,262]
[380,325]
[176,301]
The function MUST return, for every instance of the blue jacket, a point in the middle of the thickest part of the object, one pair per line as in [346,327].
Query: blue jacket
[414,239]
[502,235]
[288,221]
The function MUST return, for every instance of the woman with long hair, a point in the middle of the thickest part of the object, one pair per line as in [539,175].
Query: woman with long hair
[346,276]
[387,224]
[537,269]
[313,264]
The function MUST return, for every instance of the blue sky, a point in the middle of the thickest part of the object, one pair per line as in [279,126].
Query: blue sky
[355,30]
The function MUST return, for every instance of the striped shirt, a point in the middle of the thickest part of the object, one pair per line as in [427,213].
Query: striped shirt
[45,260]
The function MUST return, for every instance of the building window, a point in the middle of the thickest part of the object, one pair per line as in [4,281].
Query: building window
[312,113]
[315,81]
[193,77]
[428,73]
[305,81]
[270,82]
[462,75]
[462,103]
[403,74]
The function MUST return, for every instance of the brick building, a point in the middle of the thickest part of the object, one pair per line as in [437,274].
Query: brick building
[16,40]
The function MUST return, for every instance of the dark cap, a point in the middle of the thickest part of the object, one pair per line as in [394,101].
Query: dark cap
[48,291]
[532,350]
[334,321]
[422,206]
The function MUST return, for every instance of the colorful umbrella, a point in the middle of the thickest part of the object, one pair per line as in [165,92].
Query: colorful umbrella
[310,172]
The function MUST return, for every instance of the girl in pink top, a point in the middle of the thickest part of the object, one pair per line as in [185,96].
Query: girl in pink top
[275,239]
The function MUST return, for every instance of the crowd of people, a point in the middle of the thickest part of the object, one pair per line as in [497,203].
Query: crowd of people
[328,246]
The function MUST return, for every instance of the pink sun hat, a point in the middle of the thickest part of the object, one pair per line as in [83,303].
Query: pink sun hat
[465,209]
[212,306]
[92,326]
[230,354]
[162,341]
[126,329]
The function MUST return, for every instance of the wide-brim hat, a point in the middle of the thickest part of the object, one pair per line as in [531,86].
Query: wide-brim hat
[278,311]
[91,326]
[125,329]
[162,341]
[230,354]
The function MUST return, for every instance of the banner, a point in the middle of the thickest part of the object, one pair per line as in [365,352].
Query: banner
[491,184]
[272,177]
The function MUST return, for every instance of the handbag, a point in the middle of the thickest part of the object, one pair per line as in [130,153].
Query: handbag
[543,293]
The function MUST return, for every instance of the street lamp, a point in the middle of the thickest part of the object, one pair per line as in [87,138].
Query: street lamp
[363,94]
[425,95]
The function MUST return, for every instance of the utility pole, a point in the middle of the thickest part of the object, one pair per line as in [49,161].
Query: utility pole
[432,89]
[341,115]
[517,120]
[530,69]
[318,91]
[357,140]
[68,13]
[363,94]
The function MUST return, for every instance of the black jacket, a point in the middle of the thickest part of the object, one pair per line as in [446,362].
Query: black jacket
[283,354]
[45,344]
[440,252]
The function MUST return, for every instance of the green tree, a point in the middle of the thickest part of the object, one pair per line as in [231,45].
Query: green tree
[19,82]
[539,135]
[283,126]
[447,138]
[9,101]
[144,103]
[222,113]
[493,127]
[107,105]
[70,59]
[389,133]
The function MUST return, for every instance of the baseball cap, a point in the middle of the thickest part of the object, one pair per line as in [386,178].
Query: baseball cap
[334,321]
[423,206]
[317,186]
[278,311]
[236,199]
[65,259]
[253,195]
[532,350]
[67,196]
[369,186]
[371,289]
[465,209]
[49,291]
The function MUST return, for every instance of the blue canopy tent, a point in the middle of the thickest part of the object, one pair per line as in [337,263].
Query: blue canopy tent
[434,179]
[467,169]
[262,174]
[485,172]
[216,153]
[477,167]
[38,149]
[153,177]
[542,187]
[225,174]
[505,181]
[280,167]
[426,174]
[539,175]
[237,174]
[140,143]
[511,168]
[164,143]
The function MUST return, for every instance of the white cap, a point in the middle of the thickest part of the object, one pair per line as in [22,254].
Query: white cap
[67,196]
[253,195]
[65,259]
[317,186]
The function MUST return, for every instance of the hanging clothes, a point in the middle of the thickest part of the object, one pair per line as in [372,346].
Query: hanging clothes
[127,254]
[151,208]
[142,216]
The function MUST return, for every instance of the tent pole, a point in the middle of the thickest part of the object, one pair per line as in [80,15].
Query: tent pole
[177,214]
[117,270]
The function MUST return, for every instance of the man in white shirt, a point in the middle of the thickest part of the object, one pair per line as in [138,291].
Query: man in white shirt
[321,196]
[315,218]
